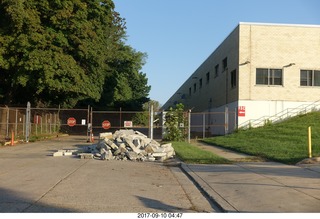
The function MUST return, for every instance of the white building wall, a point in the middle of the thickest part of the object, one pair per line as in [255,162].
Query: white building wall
[256,109]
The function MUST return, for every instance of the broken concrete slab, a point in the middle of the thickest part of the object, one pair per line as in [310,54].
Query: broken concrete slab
[106,154]
[129,141]
[86,156]
[58,154]
[111,144]
[124,145]
[66,152]
[105,135]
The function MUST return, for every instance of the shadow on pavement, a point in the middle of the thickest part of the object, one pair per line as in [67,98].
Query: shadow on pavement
[12,202]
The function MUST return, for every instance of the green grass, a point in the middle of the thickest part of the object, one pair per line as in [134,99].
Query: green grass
[285,142]
[189,153]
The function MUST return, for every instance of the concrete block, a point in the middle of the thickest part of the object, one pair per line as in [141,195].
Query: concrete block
[58,154]
[128,140]
[159,150]
[166,145]
[67,153]
[105,135]
[154,143]
[122,149]
[131,155]
[111,144]
[149,149]
[86,156]
[150,158]
[141,134]
[159,154]
[145,142]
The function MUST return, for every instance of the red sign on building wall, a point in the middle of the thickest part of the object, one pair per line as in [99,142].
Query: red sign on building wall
[241,111]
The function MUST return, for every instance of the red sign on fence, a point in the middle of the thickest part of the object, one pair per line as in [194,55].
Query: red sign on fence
[71,121]
[106,124]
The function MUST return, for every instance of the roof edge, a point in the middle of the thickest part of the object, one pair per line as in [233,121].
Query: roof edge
[278,24]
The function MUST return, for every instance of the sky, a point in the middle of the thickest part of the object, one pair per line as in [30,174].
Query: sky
[178,35]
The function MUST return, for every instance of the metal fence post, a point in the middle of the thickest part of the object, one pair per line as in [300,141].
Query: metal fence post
[7,121]
[189,125]
[41,123]
[203,125]
[226,119]
[163,120]
[151,120]
[120,111]
[16,124]
[28,121]
[88,124]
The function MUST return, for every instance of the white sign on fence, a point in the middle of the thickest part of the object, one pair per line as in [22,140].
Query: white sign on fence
[127,124]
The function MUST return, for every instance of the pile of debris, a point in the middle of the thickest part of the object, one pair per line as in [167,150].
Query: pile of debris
[127,145]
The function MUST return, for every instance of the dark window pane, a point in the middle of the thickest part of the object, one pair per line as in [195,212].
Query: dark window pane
[276,75]
[316,78]
[306,78]
[262,76]
[303,78]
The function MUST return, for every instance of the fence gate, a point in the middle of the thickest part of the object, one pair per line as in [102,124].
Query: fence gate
[110,121]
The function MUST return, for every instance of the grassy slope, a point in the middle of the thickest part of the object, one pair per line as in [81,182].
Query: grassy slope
[286,142]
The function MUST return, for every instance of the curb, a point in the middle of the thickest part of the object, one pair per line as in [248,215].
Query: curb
[212,195]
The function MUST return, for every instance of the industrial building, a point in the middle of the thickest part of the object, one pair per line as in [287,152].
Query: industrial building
[259,70]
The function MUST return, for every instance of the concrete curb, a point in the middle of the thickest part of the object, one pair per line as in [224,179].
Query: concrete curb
[212,195]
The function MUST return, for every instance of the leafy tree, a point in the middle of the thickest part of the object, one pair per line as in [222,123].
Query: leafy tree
[62,52]
[175,123]
[127,85]
[142,118]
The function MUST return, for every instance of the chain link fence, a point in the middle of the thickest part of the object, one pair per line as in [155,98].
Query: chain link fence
[210,124]
[26,123]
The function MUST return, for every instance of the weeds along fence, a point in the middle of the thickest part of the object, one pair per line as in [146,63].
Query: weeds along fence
[27,122]
[24,123]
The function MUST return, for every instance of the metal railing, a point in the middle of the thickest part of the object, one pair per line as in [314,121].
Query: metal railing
[281,116]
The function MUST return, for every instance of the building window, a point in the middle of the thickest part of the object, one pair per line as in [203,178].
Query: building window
[268,76]
[200,83]
[189,91]
[194,87]
[216,71]
[224,64]
[207,77]
[233,78]
[309,78]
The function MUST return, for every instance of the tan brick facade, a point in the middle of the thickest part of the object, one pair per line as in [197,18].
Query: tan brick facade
[276,46]
[289,48]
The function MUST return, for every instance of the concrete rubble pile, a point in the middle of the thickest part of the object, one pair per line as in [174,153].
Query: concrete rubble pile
[127,145]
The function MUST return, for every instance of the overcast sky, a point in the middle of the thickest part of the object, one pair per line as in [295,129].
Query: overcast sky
[178,35]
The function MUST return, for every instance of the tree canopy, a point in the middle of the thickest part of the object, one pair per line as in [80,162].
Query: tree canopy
[68,53]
